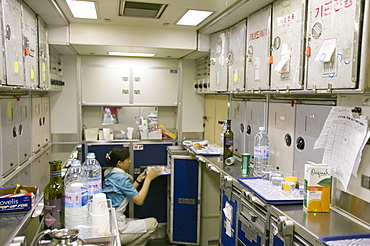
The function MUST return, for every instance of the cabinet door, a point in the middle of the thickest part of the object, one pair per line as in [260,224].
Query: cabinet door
[44,66]
[229,208]
[255,118]
[288,30]
[155,86]
[333,36]
[185,204]
[219,49]
[281,128]
[238,119]
[310,120]
[105,85]
[9,138]
[30,47]
[24,128]
[45,111]
[149,155]
[236,56]
[13,42]
[258,50]
[36,124]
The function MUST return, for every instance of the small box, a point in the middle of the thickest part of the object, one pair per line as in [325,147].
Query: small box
[156,134]
[91,134]
[10,202]
[317,188]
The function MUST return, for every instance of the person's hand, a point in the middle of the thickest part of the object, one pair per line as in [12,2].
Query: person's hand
[153,173]
[141,176]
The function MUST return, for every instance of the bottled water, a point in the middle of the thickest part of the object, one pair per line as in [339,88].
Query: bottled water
[93,174]
[261,151]
[75,196]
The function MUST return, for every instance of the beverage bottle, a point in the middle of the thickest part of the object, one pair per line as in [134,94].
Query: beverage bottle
[53,198]
[93,175]
[261,151]
[75,196]
[228,141]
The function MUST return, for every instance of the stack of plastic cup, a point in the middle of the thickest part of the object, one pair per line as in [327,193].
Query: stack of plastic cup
[99,213]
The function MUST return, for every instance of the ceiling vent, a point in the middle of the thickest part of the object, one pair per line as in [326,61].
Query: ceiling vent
[141,9]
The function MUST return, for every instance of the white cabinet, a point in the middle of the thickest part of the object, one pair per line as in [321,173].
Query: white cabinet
[219,72]
[110,85]
[258,50]
[44,66]
[333,35]
[12,26]
[287,46]
[236,57]
[15,132]
[40,122]
[155,86]
[30,46]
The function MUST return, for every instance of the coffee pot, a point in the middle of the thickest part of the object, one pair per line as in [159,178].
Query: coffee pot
[60,237]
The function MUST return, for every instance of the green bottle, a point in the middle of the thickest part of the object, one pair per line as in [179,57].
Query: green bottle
[228,141]
[53,198]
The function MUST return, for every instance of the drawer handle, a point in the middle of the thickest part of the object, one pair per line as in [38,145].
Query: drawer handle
[253,217]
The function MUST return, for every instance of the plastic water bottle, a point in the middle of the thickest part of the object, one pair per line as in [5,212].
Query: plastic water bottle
[93,174]
[75,196]
[261,151]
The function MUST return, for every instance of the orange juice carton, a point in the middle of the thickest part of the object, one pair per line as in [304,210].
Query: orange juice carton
[317,186]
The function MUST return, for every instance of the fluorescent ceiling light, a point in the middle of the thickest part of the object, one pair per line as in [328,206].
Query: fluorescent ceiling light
[193,17]
[113,53]
[82,9]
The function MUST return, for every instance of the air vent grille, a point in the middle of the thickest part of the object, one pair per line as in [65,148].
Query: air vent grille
[141,9]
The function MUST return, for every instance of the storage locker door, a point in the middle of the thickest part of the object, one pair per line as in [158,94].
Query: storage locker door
[258,50]
[45,111]
[36,124]
[105,85]
[2,58]
[43,49]
[281,128]
[236,56]
[9,138]
[238,117]
[24,128]
[219,49]
[185,194]
[13,42]
[30,47]
[309,122]
[255,118]
[333,35]
[228,225]
[287,44]
[155,86]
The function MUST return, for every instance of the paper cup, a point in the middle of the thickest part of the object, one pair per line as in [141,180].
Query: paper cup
[101,222]
[99,204]
[106,133]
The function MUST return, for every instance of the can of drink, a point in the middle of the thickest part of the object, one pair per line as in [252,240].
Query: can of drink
[246,162]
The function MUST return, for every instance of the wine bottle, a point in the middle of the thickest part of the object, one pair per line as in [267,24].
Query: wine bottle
[53,198]
[228,141]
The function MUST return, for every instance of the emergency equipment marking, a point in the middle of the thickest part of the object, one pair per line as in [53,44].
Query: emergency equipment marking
[331,6]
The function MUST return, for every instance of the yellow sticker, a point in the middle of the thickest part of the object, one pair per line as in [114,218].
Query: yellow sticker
[16,66]
[32,72]
[43,71]
[9,111]
[235,77]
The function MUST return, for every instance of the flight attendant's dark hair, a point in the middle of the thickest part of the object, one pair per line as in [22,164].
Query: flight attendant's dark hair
[115,155]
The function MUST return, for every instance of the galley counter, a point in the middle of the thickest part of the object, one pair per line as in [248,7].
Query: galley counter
[33,172]
[273,224]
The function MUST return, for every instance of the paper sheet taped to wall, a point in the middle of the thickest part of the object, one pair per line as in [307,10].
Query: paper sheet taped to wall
[343,138]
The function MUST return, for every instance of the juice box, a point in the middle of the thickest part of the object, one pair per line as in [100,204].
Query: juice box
[317,187]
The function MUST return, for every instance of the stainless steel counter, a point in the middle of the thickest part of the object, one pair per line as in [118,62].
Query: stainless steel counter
[311,226]
[13,224]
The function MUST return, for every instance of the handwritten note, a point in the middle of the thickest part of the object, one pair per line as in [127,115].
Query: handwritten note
[343,138]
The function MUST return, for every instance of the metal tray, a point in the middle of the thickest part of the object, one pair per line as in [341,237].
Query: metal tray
[354,239]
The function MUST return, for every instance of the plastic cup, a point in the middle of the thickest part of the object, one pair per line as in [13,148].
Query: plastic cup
[287,187]
[106,133]
[130,131]
[277,181]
